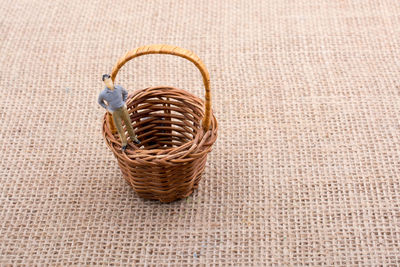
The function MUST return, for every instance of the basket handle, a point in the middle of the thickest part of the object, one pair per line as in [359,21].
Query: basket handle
[176,51]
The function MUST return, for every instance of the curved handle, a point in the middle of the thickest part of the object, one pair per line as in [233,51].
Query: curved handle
[176,51]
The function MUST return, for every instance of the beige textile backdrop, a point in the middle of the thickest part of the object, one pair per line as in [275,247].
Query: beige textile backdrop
[306,167]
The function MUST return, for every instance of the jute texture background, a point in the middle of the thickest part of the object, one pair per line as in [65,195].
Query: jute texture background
[306,167]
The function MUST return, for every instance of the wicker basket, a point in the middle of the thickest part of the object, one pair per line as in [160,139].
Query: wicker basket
[176,133]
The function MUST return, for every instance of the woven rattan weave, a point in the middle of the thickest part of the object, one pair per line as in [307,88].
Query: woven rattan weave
[176,130]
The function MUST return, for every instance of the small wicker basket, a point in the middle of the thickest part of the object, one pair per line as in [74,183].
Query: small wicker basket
[175,133]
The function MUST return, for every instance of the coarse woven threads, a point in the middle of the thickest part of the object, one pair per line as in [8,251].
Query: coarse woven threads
[306,167]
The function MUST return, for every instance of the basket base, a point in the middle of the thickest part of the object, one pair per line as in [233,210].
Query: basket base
[171,198]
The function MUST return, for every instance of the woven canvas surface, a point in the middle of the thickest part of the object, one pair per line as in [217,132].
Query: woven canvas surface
[306,167]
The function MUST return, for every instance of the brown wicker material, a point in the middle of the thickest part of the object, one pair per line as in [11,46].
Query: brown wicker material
[177,131]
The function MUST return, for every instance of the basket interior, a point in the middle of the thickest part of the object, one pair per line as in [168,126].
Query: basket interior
[165,117]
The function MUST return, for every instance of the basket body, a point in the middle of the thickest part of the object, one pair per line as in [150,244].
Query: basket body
[174,147]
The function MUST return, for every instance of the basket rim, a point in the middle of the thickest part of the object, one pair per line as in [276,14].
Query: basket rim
[184,151]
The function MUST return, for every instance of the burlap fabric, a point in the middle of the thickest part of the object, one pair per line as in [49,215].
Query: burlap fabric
[305,170]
